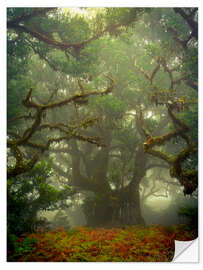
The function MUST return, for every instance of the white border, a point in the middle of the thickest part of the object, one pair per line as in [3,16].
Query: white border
[76,3]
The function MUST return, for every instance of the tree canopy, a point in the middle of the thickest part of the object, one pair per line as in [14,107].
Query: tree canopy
[105,96]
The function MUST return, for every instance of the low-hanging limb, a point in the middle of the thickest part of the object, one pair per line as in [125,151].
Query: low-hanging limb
[15,140]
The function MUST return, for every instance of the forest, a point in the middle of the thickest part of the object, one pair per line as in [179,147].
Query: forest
[102,133]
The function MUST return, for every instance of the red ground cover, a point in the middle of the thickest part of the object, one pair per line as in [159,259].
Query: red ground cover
[83,244]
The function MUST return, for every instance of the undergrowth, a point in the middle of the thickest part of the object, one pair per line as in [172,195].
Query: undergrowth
[83,244]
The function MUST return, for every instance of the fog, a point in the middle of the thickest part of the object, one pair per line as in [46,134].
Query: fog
[161,208]
[102,118]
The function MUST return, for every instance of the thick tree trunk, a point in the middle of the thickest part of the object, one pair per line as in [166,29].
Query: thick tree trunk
[89,170]
[109,207]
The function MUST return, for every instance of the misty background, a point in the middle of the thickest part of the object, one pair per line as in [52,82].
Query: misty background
[89,89]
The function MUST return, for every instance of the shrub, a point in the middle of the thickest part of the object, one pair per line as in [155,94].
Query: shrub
[191,213]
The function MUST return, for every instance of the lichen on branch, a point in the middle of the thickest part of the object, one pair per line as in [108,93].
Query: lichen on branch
[67,131]
[187,178]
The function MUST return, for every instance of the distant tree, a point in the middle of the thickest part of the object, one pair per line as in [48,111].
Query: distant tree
[60,220]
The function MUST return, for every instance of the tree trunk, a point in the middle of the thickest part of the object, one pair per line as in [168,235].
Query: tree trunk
[135,209]
[135,216]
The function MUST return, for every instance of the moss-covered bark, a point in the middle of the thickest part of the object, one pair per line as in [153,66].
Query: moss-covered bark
[187,178]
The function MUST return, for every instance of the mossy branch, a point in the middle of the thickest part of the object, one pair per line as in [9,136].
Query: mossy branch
[29,103]
[69,131]
[187,178]
[21,166]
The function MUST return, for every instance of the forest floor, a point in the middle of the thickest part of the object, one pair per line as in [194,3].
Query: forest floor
[85,244]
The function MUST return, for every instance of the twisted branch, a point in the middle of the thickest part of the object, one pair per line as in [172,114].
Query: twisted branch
[187,178]
[69,131]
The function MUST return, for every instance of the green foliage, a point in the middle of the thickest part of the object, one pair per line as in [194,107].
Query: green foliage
[183,232]
[191,63]
[121,16]
[30,193]
[17,80]
[77,63]
[21,246]
[191,213]
[17,62]
[16,90]
[151,124]
[109,105]
[73,28]
[12,13]
[190,117]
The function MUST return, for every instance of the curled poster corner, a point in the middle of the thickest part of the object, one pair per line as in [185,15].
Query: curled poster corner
[186,251]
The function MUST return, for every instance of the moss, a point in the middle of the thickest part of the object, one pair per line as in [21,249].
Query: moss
[159,140]
[171,158]
[188,178]
[81,101]
[190,173]
[22,167]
